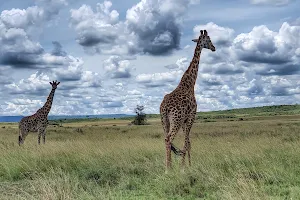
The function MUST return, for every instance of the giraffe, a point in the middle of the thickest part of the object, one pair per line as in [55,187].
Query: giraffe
[178,109]
[37,122]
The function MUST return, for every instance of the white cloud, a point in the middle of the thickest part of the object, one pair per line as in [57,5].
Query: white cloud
[117,67]
[221,36]
[17,26]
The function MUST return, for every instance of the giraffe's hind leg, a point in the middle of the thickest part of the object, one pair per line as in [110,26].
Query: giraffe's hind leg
[174,128]
[165,123]
[22,136]
[44,136]
[40,134]
[187,144]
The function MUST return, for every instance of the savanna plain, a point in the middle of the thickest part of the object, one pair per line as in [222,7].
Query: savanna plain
[237,154]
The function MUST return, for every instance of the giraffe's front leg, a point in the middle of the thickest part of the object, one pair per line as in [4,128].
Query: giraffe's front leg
[174,127]
[44,136]
[187,143]
[41,131]
[39,136]
[22,136]
[168,153]
[184,146]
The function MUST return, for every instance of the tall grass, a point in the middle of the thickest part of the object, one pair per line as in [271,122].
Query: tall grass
[256,159]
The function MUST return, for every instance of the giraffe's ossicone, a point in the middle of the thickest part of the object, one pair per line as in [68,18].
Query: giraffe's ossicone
[37,122]
[178,109]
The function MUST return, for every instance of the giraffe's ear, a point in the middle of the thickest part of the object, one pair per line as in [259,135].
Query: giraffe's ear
[195,40]
[50,83]
[58,83]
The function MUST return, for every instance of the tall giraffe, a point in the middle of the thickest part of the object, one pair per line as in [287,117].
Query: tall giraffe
[37,122]
[178,109]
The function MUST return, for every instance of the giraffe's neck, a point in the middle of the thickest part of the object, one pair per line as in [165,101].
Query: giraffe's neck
[189,78]
[47,106]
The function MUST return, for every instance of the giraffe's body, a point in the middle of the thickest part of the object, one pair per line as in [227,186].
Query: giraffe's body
[178,109]
[37,122]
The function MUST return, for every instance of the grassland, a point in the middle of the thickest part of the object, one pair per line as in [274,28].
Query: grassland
[240,154]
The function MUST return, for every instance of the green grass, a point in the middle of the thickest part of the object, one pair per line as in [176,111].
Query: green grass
[250,112]
[254,158]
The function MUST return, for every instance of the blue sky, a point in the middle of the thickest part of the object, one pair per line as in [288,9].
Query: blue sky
[112,55]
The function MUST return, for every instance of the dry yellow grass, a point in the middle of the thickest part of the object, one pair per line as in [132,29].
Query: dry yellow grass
[249,159]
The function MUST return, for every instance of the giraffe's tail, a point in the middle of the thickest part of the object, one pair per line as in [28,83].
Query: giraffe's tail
[20,139]
[176,150]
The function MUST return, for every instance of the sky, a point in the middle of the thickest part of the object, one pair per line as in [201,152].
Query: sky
[113,55]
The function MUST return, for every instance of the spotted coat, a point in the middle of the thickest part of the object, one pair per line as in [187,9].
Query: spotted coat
[178,109]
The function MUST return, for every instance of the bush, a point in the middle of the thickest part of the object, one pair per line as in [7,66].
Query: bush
[140,118]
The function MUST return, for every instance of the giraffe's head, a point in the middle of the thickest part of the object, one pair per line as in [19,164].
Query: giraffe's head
[54,84]
[204,41]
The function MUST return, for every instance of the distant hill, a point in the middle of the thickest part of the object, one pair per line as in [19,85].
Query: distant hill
[66,117]
[243,112]
[254,111]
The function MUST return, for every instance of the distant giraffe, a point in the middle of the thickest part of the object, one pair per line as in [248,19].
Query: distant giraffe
[178,109]
[37,122]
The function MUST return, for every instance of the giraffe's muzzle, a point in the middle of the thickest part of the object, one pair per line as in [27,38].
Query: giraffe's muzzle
[213,48]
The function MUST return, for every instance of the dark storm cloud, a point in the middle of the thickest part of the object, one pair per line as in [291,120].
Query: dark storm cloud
[28,60]
[157,24]
[227,69]
[279,91]
[161,39]
[125,74]
[150,27]
[91,37]
[17,49]
[20,60]
[255,90]
[58,50]
[260,58]
[280,70]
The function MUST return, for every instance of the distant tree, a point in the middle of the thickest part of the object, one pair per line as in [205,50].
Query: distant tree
[140,118]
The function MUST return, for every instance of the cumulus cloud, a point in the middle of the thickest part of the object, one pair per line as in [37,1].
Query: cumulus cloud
[75,77]
[58,50]
[181,64]
[99,31]
[158,79]
[228,78]
[151,26]
[17,49]
[221,36]
[36,84]
[117,67]
[276,52]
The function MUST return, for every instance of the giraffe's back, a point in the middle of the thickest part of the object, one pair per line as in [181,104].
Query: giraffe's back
[31,123]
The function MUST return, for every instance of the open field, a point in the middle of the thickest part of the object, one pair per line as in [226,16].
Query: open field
[233,157]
